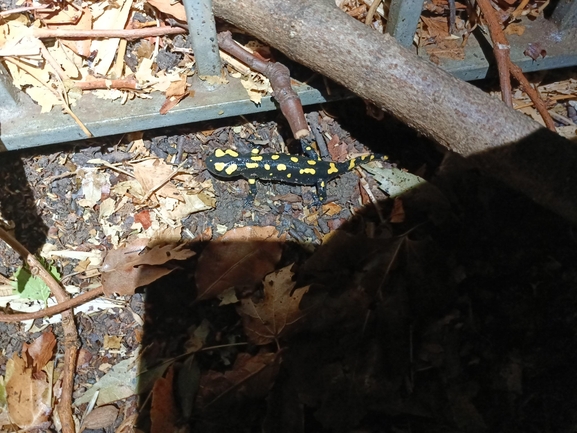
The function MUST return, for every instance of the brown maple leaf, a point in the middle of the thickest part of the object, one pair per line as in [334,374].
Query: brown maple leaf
[134,266]
[278,313]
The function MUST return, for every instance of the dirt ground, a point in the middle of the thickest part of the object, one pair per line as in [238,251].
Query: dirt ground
[455,312]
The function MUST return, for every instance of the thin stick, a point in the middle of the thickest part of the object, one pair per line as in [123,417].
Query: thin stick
[65,107]
[99,34]
[533,95]
[55,309]
[550,97]
[39,8]
[70,333]
[501,49]
[519,10]
[163,182]
[102,83]
[371,12]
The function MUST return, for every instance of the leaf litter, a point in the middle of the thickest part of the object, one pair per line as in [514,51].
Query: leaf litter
[58,74]
[375,324]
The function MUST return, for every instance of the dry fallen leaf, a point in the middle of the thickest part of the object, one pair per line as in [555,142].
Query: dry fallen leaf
[240,258]
[176,9]
[164,412]
[275,315]
[152,173]
[134,266]
[79,46]
[28,391]
[398,212]
[100,418]
[40,350]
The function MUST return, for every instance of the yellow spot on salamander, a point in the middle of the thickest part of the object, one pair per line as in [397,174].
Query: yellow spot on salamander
[267,167]
[281,167]
[219,153]
[231,169]
[231,153]
[307,171]
[254,151]
[252,181]
[289,175]
[274,157]
[311,162]
[251,165]
[294,159]
[322,184]
[332,168]
[219,166]
[352,163]
[256,158]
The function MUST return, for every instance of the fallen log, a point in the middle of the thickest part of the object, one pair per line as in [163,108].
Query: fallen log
[455,114]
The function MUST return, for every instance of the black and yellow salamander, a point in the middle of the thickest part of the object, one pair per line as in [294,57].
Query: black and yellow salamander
[294,169]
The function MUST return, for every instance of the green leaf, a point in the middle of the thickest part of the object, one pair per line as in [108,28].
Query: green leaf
[29,286]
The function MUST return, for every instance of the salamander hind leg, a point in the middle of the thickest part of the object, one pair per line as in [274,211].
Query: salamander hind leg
[249,201]
[321,192]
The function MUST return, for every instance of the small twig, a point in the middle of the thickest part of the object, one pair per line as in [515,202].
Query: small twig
[99,34]
[313,118]
[28,69]
[533,95]
[163,182]
[279,76]
[367,188]
[561,119]
[519,10]
[501,49]
[55,309]
[61,76]
[68,326]
[51,179]
[103,83]
[39,8]
[111,166]
[371,12]
[550,97]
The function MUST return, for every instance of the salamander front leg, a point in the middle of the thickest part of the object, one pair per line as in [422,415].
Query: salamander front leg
[251,192]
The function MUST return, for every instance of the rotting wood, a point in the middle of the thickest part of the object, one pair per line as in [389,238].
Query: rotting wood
[455,114]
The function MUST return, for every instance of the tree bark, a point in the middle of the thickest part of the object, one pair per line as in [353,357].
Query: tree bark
[455,114]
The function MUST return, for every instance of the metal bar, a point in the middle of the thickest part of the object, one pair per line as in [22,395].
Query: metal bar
[202,31]
[103,117]
[565,14]
[403,20]
[8,93]
[478,62]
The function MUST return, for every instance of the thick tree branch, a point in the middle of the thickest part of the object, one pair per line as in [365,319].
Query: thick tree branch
[455,114]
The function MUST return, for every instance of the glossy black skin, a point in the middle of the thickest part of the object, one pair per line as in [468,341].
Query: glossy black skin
[292,169]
